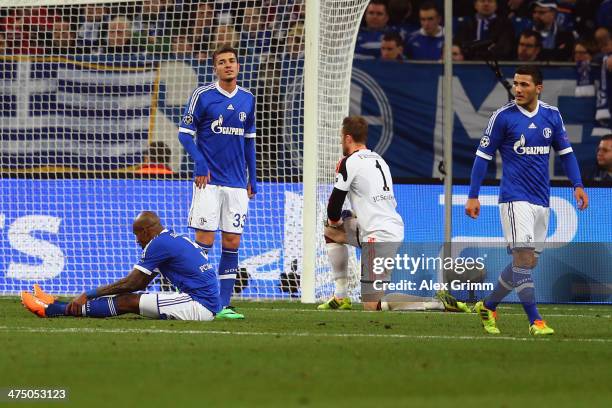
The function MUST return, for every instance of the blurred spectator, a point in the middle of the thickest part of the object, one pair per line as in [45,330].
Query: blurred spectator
[370,36]
[157,160]
[457,53]
[603,170]
[182,47]
[604,42]
[518,8]
[604,14]
[24,30]
[583,51]
[93,21]
[226,34]
[566,14]
[486,25]
[119,37]
[401,17]
[557,44]
[294,45]
[202,30]
[529,46]
[392,47]
[63,39]
[152,26]
[254,36]
[426,43]
[585,78]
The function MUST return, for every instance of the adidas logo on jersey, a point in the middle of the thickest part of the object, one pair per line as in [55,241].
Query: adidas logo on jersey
[532,126]
[226,130]
[230,107]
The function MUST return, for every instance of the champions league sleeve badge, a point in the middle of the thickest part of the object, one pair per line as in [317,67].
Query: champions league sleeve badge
[484,142]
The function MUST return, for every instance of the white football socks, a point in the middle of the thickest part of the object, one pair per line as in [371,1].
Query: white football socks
[338,259]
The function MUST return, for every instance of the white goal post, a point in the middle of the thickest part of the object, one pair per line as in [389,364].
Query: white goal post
[331,32]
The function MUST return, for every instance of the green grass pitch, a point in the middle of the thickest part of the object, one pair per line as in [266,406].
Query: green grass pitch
[288,354]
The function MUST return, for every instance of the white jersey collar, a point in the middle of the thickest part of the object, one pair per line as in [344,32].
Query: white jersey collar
[439,34]
[526,112]
[224,92]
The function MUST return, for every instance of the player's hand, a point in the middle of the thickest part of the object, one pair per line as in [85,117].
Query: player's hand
[250,192]
[201,181]
[472,208]
[582,199]
[74,307]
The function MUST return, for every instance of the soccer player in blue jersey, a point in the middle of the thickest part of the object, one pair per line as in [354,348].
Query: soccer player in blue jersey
[175,256]
[523,131]
[218,132]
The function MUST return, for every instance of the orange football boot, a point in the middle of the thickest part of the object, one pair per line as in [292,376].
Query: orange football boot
[34,305]
[42,295]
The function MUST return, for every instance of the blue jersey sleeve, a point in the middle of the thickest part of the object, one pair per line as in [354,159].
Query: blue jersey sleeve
[560,141]
[493,136]
[249,126]
[188,131]
[189,121]
[154,254]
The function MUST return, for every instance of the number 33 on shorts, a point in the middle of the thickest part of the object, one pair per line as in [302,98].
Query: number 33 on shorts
[239,220]
[219,208]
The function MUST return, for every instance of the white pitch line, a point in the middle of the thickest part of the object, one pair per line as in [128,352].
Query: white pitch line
[263,309]
[280,334]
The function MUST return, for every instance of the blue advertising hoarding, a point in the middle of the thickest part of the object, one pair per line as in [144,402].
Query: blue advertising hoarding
[71,235]
[403,104]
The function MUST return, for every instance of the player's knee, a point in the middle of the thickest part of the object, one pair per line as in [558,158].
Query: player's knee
[205,237]
[231,240]
[524,258]
[128,303]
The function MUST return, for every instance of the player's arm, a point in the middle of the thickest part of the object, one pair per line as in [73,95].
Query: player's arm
[489,143]
[187,137]
[344,178]
[249,153]
[136,280]
[334,207]
[569,162]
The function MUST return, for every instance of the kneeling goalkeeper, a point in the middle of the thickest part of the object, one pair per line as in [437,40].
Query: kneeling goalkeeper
[175,256]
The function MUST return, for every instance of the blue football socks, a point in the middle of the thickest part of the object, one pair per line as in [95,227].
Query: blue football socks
[228,268]
[504,286]
[525,290]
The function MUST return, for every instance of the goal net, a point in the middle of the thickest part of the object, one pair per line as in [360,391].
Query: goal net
[91,94]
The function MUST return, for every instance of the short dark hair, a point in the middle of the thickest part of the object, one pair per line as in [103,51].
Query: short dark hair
[223,48]
[607,137]
[357,127]
[393,36]
[532,33]
[429,5]
[380,3]
[533,71]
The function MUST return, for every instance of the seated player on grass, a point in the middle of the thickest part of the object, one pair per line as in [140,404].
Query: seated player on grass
[175,256]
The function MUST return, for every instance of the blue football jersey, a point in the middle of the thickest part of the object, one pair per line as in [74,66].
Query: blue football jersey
[420,46]
[220,121]
[524,140]
[185,264]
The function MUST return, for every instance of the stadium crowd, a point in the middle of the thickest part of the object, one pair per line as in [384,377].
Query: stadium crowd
[272,33]
[169,28]
[521,30]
